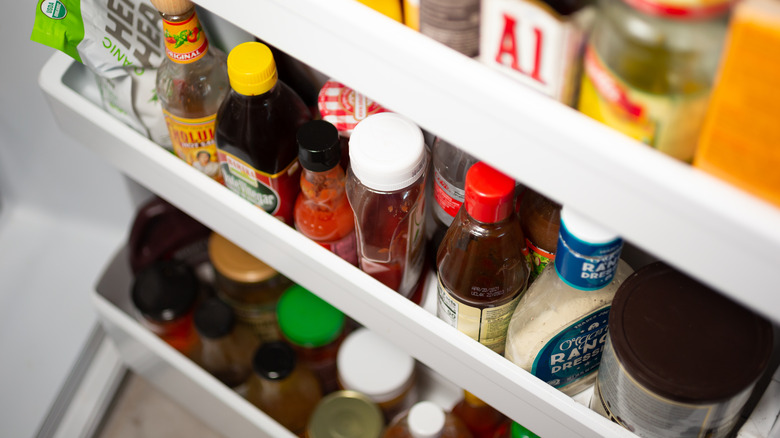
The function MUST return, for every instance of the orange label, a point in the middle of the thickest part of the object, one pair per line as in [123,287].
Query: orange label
[185,41]
[193,141]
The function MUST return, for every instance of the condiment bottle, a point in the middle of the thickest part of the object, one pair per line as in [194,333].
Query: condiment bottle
[346,414]
[454,23]
[248,285]
[537,42]
[558,329]
[512,429]
[386,188]
[427,420]
[482,271]
[282,388]
[164,295]
[256,128]
[322,212]
[450,165]
[315,329]
[226,345]
[192,82]
[649,68]
[368,364]
[481,419]
[540,218]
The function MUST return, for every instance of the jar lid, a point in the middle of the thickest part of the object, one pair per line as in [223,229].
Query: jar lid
[426,420]
[344,107]
[518,431]
[365,355]
[683,341]
[682,9]
[319,148]
[490,194]
[165,290]
[274,360]
[235,263]
[387,152]
[214,319]
[173,7]
[306,319]
[346,414]
[251,68]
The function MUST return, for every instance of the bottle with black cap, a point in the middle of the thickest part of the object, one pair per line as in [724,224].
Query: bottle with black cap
[322,212]
[226,345]
[282,388]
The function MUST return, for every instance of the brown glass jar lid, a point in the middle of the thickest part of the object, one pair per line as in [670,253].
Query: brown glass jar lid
[235,263]
[683,341]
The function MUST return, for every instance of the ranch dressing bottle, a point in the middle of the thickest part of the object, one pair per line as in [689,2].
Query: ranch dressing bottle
[559,327]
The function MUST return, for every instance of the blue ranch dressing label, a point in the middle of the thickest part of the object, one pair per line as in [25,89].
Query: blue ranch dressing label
[584,265]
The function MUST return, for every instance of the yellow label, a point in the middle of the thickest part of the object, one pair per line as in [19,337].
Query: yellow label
[667,122]
[193,141]
[185,41]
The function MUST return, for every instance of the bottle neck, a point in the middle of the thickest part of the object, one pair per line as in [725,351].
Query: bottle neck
[323,187]
[185,41]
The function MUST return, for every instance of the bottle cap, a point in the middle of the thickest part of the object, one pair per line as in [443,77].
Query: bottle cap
[426,420]
[172,7]
[319,148]
[519,431]
[306,319]
[165,290]
[274,360]
[346,414]
[365,355]
[345,107]
[235,263]
[251,69]
[489,194]
[214,319]
[387,152]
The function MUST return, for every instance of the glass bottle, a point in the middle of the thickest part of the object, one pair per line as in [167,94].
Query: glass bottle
[226,345]
[255,132]
[558,329]
[482,270]
[427,420]
[315,329]
[192,82]
[539,218]
[386,189]
[649,68]
[454,23]
[322,212]
[282,388]
[479,417]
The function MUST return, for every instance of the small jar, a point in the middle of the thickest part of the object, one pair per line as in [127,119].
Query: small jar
[315,329]
[540,218]
[249,286]
[164,295]
[370,365]
[346,414]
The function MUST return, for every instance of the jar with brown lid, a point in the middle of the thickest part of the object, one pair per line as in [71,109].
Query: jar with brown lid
[248,285]
[540,218]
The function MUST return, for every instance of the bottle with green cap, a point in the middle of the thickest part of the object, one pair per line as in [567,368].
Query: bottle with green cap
[315,329]
[255,132]
[513,429]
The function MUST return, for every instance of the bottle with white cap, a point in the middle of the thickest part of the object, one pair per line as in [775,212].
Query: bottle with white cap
[559,327]
[386,189]
[427,420]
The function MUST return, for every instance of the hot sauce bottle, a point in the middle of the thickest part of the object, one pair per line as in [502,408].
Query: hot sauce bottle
[256,127]
[192,81]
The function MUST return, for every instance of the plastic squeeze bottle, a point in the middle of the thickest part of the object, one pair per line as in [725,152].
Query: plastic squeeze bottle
[427,420]
[256,127]
[482,271]
[192,82]
[559,328]
[322,212]
[386,188]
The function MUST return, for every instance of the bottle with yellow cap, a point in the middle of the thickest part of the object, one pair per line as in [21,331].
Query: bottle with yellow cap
[192,82]
[256,132]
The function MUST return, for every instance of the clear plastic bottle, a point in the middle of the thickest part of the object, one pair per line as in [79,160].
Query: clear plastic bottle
[482,270]
[386,189]
[427,420]
[256,127]
[192,82]
[559,328]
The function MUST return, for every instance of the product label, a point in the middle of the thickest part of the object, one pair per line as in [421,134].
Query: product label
[488,325]
[448,198]
[344,107]
[273,193]
[193,141]
[261,317]
[574,352]
[346,248]
[534,45]
[185,41]
[583,265]
[537,258]
[454,23]
[667,122]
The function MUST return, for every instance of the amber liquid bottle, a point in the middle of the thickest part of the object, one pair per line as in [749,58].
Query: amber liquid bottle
[479,417]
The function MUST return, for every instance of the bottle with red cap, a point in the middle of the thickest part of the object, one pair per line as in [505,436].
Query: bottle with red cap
[481,268]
